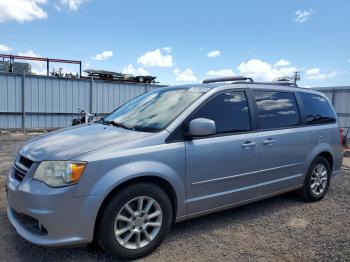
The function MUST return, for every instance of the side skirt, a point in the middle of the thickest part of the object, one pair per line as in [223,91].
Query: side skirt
[217,209]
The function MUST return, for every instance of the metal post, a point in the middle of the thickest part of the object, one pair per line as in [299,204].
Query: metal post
[47,66]
[90,102]
[12,60]
[333,96]
[23,104]
[296,77]
[80,69]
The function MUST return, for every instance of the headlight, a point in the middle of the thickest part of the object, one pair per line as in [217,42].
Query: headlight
[59,173]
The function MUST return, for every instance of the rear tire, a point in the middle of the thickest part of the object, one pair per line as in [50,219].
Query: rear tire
[317,180]
[144,211]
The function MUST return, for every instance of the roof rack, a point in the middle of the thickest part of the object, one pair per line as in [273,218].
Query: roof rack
[227,79]
[278,83]
[244,78]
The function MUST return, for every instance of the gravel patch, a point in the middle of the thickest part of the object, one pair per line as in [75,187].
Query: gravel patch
[280,228]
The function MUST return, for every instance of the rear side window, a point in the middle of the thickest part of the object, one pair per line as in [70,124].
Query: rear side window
[317,109]
[229,110]
[276,109]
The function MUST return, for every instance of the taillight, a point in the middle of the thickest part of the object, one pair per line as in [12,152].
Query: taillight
[342,136]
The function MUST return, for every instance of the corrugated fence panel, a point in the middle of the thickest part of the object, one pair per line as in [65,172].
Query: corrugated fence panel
[10,100]
[52,102]
[344,121]
[342,106]
[329,95]
[109,95]
[342,102]
[55,96]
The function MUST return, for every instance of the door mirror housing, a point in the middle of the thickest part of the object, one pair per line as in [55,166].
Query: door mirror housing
[201,127]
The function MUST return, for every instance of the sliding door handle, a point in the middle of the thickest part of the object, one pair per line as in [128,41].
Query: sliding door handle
[269,141]
[248,144]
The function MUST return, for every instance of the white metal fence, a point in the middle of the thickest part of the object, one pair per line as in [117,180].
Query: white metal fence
[44,102]
[30,102]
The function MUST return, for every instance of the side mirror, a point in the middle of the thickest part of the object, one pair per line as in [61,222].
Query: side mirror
[201,127]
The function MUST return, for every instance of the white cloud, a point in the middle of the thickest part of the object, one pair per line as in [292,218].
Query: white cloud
[70,5]
[302,16]
[315,74]
[130,69]
[186,75]
[5,48]
[103,56]
[281,62]
[37,71]
[167,49]
[221,73]
[21,10]
[86,67]
[214,53]
[160,57]
[38,67]
[270,104]
[28,53]
[263,71]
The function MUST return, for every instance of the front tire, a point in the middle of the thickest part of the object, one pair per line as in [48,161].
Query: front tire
[135,221]
[317,180]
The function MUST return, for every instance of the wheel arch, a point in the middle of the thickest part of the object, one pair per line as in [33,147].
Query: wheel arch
[156,180]
[322,149]
[329,157]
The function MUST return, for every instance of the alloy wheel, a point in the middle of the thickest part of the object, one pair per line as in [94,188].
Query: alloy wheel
[138,222]
[319,179]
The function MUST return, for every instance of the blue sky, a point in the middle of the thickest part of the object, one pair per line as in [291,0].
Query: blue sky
[186,41]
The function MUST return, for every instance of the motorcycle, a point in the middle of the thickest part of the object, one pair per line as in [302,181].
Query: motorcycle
[84,118]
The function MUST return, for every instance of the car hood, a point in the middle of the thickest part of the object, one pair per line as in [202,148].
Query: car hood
[70,142]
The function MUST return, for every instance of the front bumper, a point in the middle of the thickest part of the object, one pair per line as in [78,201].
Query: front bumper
[57,217]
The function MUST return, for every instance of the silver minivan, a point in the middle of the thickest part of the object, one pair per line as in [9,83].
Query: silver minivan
[169,155]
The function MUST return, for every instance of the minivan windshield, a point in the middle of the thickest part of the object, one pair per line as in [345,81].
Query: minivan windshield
[153,111]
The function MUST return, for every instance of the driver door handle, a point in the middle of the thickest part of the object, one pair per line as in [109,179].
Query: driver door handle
[248,144]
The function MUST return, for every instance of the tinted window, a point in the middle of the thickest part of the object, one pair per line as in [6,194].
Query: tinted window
[276,109]
[317,109]
[229,111]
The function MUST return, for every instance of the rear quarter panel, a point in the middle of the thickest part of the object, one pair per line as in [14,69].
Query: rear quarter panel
[326,138]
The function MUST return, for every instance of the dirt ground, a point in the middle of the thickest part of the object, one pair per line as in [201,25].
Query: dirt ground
[282,228]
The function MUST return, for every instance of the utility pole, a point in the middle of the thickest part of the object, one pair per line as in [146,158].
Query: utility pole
[296,77]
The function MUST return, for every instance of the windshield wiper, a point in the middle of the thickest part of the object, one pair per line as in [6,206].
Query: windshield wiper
[146,129]
[113,123]
[134,128]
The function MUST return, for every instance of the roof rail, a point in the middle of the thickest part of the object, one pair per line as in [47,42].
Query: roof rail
[227,79]
[278,83]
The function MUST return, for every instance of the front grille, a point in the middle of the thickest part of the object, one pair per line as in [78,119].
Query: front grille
[26,162]
[30,223]
[19,175]
[21,167]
